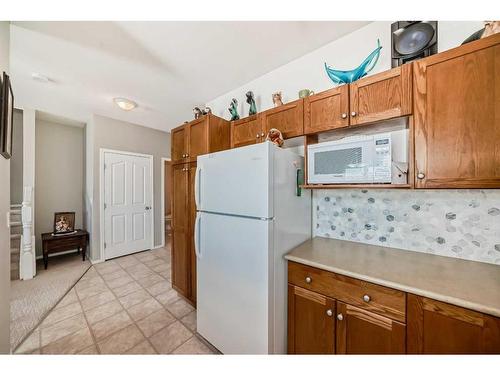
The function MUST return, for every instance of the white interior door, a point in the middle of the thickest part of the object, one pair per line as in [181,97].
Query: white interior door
[128,204]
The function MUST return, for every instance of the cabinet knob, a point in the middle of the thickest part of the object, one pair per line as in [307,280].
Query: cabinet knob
[420,175]
[340,317]
[353,114]
[187,155]
[183,155]
[262,134]
[258,135]
[308,280]
[366,298]
[329,312]
[344,115]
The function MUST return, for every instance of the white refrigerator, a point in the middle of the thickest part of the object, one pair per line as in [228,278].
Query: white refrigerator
[248,216]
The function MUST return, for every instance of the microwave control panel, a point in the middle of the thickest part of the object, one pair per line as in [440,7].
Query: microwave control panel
[382,161]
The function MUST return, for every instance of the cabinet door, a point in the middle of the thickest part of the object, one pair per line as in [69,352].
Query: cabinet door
[327,110]
[180,227]
[246,131]
[363,332]
[439,328]
[179,144]
[288,118]
[311,324]
[457,117]
[192,218]
[381,96]
[197,138]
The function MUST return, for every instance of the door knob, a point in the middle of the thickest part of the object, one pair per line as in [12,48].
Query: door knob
[344,115]
[308,280]
[340,317]
[329,312]
[420,175]
[366,298]
[147,208]
[353,114]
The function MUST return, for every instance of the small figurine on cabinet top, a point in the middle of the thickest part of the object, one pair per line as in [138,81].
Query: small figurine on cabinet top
[490,28]
[275,136]
[233,110]
[200,112]
[251,101]
[197,112]
[277,99]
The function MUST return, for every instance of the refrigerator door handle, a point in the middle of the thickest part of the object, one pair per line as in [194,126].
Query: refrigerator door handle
[197,236]
[197,187]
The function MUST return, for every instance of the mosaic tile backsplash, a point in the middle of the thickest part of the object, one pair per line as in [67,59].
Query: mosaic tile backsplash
[455,223]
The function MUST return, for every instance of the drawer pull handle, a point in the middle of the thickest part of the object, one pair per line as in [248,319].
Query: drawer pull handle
[340,317]
[329,312]
[308,280]
[366,298]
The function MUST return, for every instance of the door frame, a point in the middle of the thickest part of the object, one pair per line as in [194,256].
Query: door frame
[162,198]
[102,152]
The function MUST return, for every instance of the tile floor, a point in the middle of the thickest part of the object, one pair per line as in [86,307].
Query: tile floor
[122,306]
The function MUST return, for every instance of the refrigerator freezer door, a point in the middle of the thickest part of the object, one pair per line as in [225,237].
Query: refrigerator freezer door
[236,182]
[233,282]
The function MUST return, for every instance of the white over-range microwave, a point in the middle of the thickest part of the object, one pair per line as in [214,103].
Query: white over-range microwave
[362,159]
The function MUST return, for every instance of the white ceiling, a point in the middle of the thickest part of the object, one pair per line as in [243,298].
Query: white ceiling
[166,67]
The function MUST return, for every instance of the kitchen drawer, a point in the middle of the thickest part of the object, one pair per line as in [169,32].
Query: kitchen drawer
[372,297]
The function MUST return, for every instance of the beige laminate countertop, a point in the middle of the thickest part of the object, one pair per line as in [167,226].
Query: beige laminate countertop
[464,283]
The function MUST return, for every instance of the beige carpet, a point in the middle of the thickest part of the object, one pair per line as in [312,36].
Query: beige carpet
[32,300]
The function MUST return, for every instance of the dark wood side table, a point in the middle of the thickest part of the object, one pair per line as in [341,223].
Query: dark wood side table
[63,242]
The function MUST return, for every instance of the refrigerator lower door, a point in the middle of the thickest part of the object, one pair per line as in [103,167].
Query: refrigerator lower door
[237,181]
[233,282]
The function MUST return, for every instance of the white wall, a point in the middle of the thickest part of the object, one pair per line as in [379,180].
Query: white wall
[344,53]
[4,208]
[16,161]
[58,175]
[104,132]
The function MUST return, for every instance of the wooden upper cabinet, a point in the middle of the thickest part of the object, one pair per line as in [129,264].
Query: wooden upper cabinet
[246,131]
[201,136]
[288,118]
[311,322]
[362,332]
[180,228]
[327,110]
[179,144]
[198,137]
[457,117]
[440,328]
[381,96]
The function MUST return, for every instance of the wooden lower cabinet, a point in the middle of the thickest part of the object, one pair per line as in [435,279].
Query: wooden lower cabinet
[183,217]
[332,321]
[439,328]
[311,322]
[362,332]
[180,228]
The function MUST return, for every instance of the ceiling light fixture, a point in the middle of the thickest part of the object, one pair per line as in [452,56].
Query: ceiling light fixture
[125,104]
[40,78]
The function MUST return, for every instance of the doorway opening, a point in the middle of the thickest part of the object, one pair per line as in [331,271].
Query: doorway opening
[166,185]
